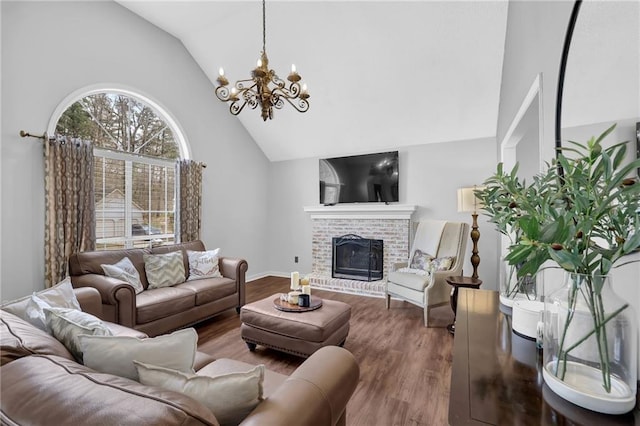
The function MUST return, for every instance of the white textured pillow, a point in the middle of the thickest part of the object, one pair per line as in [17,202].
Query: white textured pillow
[67,324]
[203,264]
[231,397]
[164,270]
[115,354]
[31,308]
[125,271]
[421,272]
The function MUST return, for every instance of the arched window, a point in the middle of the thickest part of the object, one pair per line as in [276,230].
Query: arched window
[135,151]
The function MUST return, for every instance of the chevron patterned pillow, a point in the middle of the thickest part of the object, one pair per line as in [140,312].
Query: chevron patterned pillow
[67,324]
[164,270]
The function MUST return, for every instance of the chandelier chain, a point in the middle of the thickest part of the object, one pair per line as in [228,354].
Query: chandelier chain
[264,27]
[264,89]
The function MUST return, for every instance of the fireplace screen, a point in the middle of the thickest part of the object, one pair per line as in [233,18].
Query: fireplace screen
[357,258]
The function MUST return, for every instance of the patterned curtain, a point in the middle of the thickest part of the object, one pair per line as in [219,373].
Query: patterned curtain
[69,218]
[190,192]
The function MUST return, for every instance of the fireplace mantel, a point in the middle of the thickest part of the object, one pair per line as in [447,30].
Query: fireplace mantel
[362,211]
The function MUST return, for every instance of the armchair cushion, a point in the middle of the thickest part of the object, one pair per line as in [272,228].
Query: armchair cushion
[413,281]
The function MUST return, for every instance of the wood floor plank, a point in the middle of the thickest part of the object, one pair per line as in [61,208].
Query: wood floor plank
[405,368]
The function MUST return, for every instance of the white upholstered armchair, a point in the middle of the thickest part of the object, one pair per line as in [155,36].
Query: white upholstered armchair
[427,287]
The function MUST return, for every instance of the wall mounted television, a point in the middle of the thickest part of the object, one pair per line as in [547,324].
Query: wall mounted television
[359,178]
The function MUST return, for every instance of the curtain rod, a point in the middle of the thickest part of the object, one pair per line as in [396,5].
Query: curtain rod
[27,134]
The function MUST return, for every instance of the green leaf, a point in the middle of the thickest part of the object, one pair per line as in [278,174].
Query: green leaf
[597,282]
[631,243]
[606,133]
[551,232]
[518,254]
[530,227]
[566,260]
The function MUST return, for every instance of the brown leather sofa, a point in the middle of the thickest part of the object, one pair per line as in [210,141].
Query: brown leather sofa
[157,311]
[43,385]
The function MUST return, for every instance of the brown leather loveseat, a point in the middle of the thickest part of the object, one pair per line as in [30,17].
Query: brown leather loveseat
[42,384]
[159,310]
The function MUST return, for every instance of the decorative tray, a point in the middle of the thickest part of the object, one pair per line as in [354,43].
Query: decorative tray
[281,305]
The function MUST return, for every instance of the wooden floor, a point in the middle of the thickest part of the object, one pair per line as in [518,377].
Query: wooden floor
[405,368]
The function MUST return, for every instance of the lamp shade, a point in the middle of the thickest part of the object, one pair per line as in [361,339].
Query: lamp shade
[467,200]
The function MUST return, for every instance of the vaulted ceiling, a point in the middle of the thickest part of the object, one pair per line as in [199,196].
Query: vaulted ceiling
[388,74]
[381,74]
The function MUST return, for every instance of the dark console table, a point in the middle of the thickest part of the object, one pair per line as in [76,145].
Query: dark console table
[496,377]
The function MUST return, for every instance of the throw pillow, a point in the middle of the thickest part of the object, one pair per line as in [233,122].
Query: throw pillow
[420,260]
[115,354]
[125,271]
[442,263]
[67,324]
[164,270]
[203,264]
[231,397]
[31,308]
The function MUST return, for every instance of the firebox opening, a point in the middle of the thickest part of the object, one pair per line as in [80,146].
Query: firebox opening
[357,258]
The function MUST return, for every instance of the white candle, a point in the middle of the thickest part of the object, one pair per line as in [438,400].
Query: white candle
[306,289]
[295,280]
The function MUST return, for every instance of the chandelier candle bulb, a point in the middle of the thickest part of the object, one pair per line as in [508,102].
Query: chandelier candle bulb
[264,89]
[221,72]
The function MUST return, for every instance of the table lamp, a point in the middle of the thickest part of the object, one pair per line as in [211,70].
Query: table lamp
[468,202]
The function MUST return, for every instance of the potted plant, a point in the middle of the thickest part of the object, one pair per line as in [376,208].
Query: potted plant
[505,199]
[583,213]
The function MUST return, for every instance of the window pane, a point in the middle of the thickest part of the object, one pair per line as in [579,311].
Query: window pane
[110,198]
[135,199]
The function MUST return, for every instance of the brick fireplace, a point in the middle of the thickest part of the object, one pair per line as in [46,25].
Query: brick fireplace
[390,223]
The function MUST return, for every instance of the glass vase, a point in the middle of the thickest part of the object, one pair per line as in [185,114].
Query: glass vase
[590,345]
[513,288]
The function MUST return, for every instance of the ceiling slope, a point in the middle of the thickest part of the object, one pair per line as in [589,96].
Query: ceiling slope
[381,74]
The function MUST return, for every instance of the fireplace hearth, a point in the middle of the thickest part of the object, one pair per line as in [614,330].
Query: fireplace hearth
[357,258]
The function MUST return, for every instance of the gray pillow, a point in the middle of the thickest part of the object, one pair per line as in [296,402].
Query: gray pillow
[67,324]
[164,270]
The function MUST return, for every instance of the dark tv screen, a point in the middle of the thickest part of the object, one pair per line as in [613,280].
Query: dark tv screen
[359,179]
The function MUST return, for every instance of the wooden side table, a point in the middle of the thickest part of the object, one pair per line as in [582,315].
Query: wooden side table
[457,282]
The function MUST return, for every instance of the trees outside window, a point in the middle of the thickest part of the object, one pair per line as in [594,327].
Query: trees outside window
[135,150]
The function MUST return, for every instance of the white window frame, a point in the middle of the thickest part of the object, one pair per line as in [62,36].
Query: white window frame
[179,137]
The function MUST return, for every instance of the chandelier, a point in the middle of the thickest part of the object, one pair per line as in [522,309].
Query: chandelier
[264,88]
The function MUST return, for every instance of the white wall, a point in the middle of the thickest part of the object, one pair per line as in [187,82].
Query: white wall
[430,175]
[533,44]
[51,49]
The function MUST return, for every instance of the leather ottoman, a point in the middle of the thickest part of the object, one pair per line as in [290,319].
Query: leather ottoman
[297,333]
